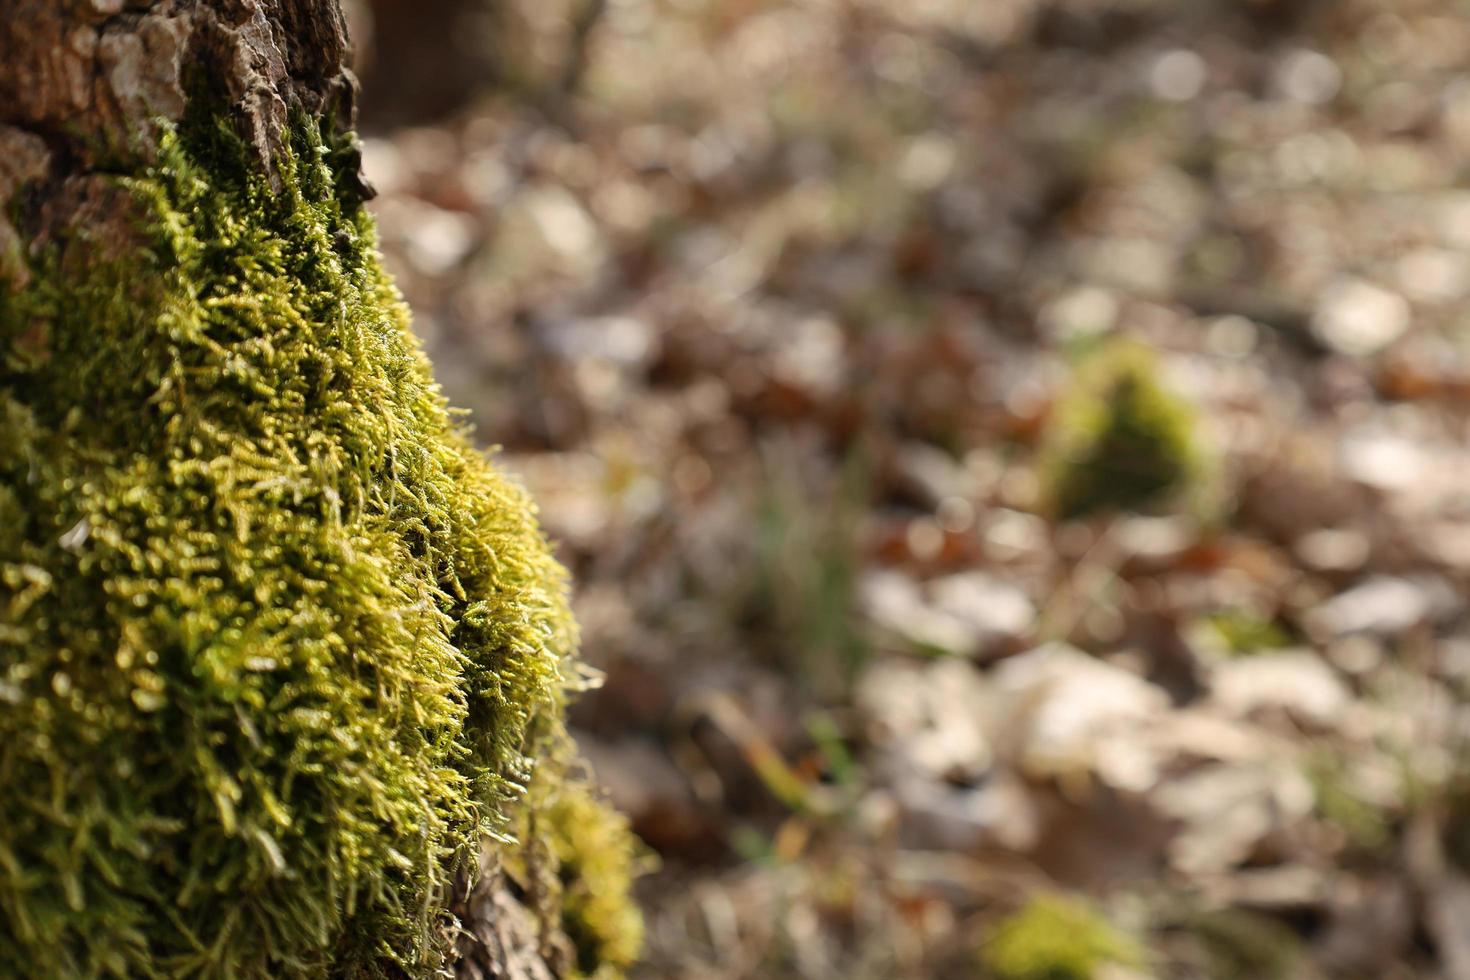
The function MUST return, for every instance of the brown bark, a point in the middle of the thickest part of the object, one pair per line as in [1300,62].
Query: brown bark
[84,85]
[91,77]
[502,938]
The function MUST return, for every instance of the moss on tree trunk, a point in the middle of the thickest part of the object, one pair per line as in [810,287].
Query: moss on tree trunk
[280,652]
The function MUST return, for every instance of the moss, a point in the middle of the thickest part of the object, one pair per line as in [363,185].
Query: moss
[273,636]
[1057,938]
[1118,440]
[1241,632]
[582,866]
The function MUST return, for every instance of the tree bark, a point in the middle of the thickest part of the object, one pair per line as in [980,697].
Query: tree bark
[92,78]
[87,88]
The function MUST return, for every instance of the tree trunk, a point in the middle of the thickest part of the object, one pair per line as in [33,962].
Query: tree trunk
[275,644]
[426,59]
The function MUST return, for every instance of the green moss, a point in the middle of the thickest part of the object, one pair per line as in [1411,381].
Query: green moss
[1242,632]
[583,865]
[272,634]
[1118,440]
[1057,938]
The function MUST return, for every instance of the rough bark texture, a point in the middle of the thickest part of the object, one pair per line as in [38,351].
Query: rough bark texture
[90,93]
[85,86]
[92,77]
[502,939]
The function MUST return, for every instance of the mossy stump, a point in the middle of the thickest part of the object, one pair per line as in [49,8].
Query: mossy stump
[280,651]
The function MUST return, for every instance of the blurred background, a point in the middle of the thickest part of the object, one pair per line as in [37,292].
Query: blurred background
[1012,455]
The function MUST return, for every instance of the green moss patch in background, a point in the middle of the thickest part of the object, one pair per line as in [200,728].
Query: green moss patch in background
[1119,438]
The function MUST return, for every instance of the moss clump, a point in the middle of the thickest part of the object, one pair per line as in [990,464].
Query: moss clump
[596,863]
[582,866]
[1118,440]
[272,634]
[1057,938]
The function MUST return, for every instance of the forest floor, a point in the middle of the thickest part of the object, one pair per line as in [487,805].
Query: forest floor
[773,306]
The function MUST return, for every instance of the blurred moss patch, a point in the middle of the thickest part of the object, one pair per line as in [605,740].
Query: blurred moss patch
[1241,632]
[1055,937]
[1119,439]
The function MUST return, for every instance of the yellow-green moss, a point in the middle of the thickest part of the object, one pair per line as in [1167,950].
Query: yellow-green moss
[1057,938]
[1241,632]
[1118,439]
[272,634]
[582,865]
